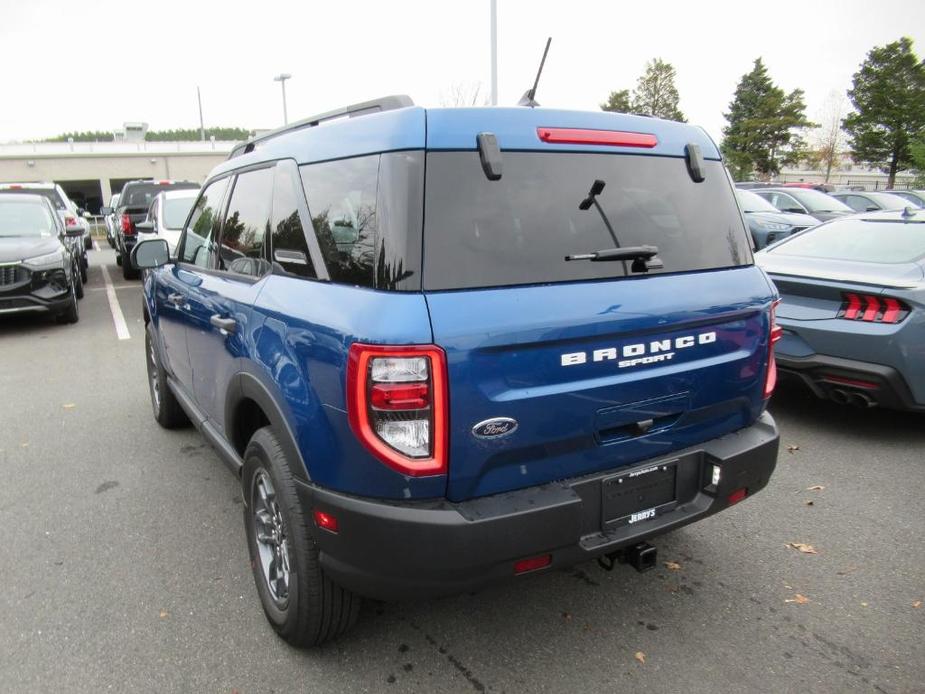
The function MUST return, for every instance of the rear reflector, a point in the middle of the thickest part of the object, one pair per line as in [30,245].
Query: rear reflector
[872,308]
[770,380]
[532,564]
[325,521]
[857,383]
[737,496]
[613,138]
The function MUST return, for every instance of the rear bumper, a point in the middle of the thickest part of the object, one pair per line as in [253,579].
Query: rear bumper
[827,376]
[395,551]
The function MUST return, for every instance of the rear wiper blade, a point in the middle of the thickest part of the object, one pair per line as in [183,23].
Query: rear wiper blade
[644,258]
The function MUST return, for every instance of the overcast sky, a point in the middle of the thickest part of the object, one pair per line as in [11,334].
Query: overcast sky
[92,66]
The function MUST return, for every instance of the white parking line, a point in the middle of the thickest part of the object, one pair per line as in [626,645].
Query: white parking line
[117,318]
[96,246]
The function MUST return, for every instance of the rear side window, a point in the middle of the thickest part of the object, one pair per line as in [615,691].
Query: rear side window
[518,230]
[141,194]
[199,239]
[342,202]
[290,249]
[246,224]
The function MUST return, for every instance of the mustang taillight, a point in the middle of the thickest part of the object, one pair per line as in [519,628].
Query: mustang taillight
[770,379]
[397,405]
[872,308]
[128,226]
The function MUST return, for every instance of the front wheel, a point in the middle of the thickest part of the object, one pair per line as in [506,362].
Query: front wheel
[78,278]
[70,314]
[303,605]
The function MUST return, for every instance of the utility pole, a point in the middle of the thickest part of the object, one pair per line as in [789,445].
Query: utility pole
[202,129]
[281,78]
[494,52]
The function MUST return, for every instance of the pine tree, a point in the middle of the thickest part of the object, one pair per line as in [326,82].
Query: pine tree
[619,102]
[655,93]
[888,93]
[762,119]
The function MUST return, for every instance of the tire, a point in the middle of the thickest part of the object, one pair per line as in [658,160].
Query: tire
[128,272]
[88,243]
[84,264]
[70,314]
[313,609]
[167,410]
[118,258]
[78,283]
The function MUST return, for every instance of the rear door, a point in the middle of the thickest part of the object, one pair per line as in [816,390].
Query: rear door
[598,363]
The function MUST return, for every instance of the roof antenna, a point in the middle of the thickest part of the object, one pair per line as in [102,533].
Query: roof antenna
[529,97]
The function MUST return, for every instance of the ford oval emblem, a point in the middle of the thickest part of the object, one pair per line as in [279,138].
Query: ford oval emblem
[494,428]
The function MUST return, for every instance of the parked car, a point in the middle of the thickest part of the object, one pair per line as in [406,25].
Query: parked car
[110,220]
[803,201]
[39,272]
[579,363]
[916,197]
[167,215]
[821,187]
[862,201]
[766,223]
[134,202]
[853,310]
[72,217]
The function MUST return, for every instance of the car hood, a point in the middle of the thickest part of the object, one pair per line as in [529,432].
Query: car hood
[794,220]
[900,275]
[16,248]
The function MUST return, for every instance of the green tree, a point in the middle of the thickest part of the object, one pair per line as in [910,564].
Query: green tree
[760,136]
[191,134]
[88,136]
[655,93]
[888,93]
[618,102]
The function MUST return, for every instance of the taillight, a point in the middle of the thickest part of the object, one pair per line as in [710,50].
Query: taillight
[770,379]
[871,308]
[580,136]
[70,221]
[397,405]
[128,226]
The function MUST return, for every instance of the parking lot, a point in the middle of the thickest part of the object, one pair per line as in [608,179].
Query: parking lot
[124,563]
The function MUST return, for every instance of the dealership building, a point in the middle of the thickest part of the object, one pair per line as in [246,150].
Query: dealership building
[90,172]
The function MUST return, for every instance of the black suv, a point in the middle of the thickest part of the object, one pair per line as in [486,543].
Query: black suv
[39,272]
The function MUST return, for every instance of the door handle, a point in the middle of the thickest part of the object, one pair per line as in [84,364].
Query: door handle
[175,299]
[228,325]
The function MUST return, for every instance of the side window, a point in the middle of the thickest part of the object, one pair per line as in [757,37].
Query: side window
[246,224]
[342,201]
[199,237]
[856,202]
[290,249]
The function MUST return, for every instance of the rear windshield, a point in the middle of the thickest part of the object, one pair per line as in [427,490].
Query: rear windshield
[871,241]
[141,194]
[518,230]
[25,219]
[49,193]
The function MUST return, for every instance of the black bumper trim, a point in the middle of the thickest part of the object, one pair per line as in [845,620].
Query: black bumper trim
[403,550]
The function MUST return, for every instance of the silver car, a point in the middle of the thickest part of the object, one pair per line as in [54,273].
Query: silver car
[166,216]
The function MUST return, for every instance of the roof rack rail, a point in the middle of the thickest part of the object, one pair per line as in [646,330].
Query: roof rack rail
[385,103]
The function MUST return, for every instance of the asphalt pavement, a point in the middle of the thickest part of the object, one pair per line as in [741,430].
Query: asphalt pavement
[124,567]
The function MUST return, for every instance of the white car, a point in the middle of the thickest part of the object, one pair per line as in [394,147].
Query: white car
[111,221]
[166,216]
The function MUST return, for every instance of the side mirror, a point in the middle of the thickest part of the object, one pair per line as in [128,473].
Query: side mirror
[86,215]
[73,232]
[105,211]
[150,254]
[145,227]
[872,208]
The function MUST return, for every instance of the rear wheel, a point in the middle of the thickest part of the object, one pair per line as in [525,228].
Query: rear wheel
[128,272]
[167,410]
[303,605]
[79,283]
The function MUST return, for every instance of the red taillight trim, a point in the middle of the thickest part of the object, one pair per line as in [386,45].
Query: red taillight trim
[399,396]
[325,521]
[872,308]
[893,307]
[776,333]
[737,496]
[854,306]
[857,383]
[128,226]
[358,414]
[70,221]
[523,566]
[581,136]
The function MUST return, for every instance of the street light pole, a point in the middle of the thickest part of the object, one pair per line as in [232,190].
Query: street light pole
[281,78]
[494,52]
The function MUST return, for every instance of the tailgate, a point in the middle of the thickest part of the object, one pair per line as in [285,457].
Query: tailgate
[597,374]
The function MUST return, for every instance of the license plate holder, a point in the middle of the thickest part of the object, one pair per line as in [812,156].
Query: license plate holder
[638,495]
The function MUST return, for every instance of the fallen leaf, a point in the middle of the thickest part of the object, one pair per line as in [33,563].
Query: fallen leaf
[815,488]
[804,548]
[25,445]
[640,656]
[792,449]
[163,614]
[863,604]
[672,566]
[69,406]
[917,604]
[798,599]
[567,616]
[810,503]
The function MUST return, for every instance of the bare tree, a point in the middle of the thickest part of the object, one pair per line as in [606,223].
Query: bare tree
[829,139]
[464,94]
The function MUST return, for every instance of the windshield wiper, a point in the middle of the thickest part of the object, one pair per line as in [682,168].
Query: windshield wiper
[644,258]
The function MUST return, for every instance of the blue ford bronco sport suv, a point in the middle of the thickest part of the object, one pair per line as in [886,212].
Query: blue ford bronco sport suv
[446,347]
